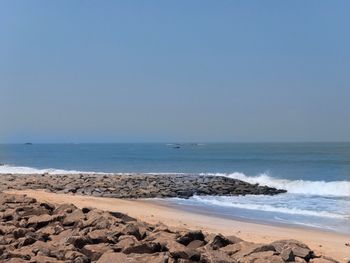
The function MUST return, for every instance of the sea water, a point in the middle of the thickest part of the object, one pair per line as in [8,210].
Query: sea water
[315,175]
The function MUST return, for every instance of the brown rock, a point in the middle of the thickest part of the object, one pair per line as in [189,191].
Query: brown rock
[99,235]
[216,256]
[42,220]
[94,252]
[246,248]
[287,254]
[263,257]
[73,218]
[219,241]
[113,257]
[44,259]
[186,253]
[195,244]
[131,229]
[78,241]
[144,248]
[188,237]
[127,241]
[150,258]
[76,257]
[64,209]
[299,249]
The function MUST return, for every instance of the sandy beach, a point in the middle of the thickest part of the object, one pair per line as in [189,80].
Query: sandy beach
[324,243]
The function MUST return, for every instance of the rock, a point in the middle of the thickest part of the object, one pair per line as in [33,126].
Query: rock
[287,254]
[149,258]
[52,229]
[113,257]
[76,256]
[144,248]
[190,236]
[195,244]
[243,249]
[127,241]
[99,236]
[133,230]
[299,249]
[25,241]
[44,259]
[78,241]
[186,253]
[125,218]
[73,218]
[42,220]
[262,257]
[68,234]
[216,256]
[94,252]
[64,209]
[138,186]
[219,241]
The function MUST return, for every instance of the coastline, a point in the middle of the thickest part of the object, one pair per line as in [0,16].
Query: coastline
[152,211]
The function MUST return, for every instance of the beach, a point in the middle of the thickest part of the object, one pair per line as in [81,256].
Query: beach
[323,243]
[253,194]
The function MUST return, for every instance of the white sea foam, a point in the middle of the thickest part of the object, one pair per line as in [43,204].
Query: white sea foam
[269,206]
[8,169]
[321,188]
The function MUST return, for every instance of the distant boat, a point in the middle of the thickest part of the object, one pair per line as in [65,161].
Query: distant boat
[28,143]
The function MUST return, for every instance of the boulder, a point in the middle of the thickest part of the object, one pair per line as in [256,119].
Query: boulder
[298,248]
[73,218]
[216,256]
[131,229]
[75,256]
[195,244]
[113,257]
[64,209]
[243,249]
[42,220]
[219,241]
[262,257]
[190,236]
[95,251]
[143,248]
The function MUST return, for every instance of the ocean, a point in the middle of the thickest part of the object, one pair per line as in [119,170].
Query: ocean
[316,175]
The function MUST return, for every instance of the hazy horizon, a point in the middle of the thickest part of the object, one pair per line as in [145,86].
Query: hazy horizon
[193,71]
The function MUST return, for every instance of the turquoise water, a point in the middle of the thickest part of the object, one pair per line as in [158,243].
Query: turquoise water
[316,175]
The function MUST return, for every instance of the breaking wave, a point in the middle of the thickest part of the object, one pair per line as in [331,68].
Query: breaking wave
[321,188]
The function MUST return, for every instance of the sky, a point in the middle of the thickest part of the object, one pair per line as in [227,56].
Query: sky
[177,71]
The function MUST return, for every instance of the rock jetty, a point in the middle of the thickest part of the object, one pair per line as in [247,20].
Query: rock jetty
[31,231]
[136,186]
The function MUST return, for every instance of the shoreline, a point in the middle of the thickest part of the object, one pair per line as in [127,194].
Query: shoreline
[199,211]
[326,243]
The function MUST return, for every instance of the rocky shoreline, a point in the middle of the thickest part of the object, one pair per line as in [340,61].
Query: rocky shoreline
[136,185]
[31,231]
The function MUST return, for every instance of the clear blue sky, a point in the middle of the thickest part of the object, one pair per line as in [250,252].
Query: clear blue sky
[123,71]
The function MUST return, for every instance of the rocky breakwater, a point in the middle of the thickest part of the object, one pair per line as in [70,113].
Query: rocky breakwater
[31,231]
[135,186]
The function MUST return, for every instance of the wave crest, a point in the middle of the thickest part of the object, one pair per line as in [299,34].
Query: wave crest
[321,188]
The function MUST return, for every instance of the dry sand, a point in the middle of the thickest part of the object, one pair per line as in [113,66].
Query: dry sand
[326,243]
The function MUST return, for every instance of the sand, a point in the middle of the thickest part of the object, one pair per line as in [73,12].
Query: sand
[326,243]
